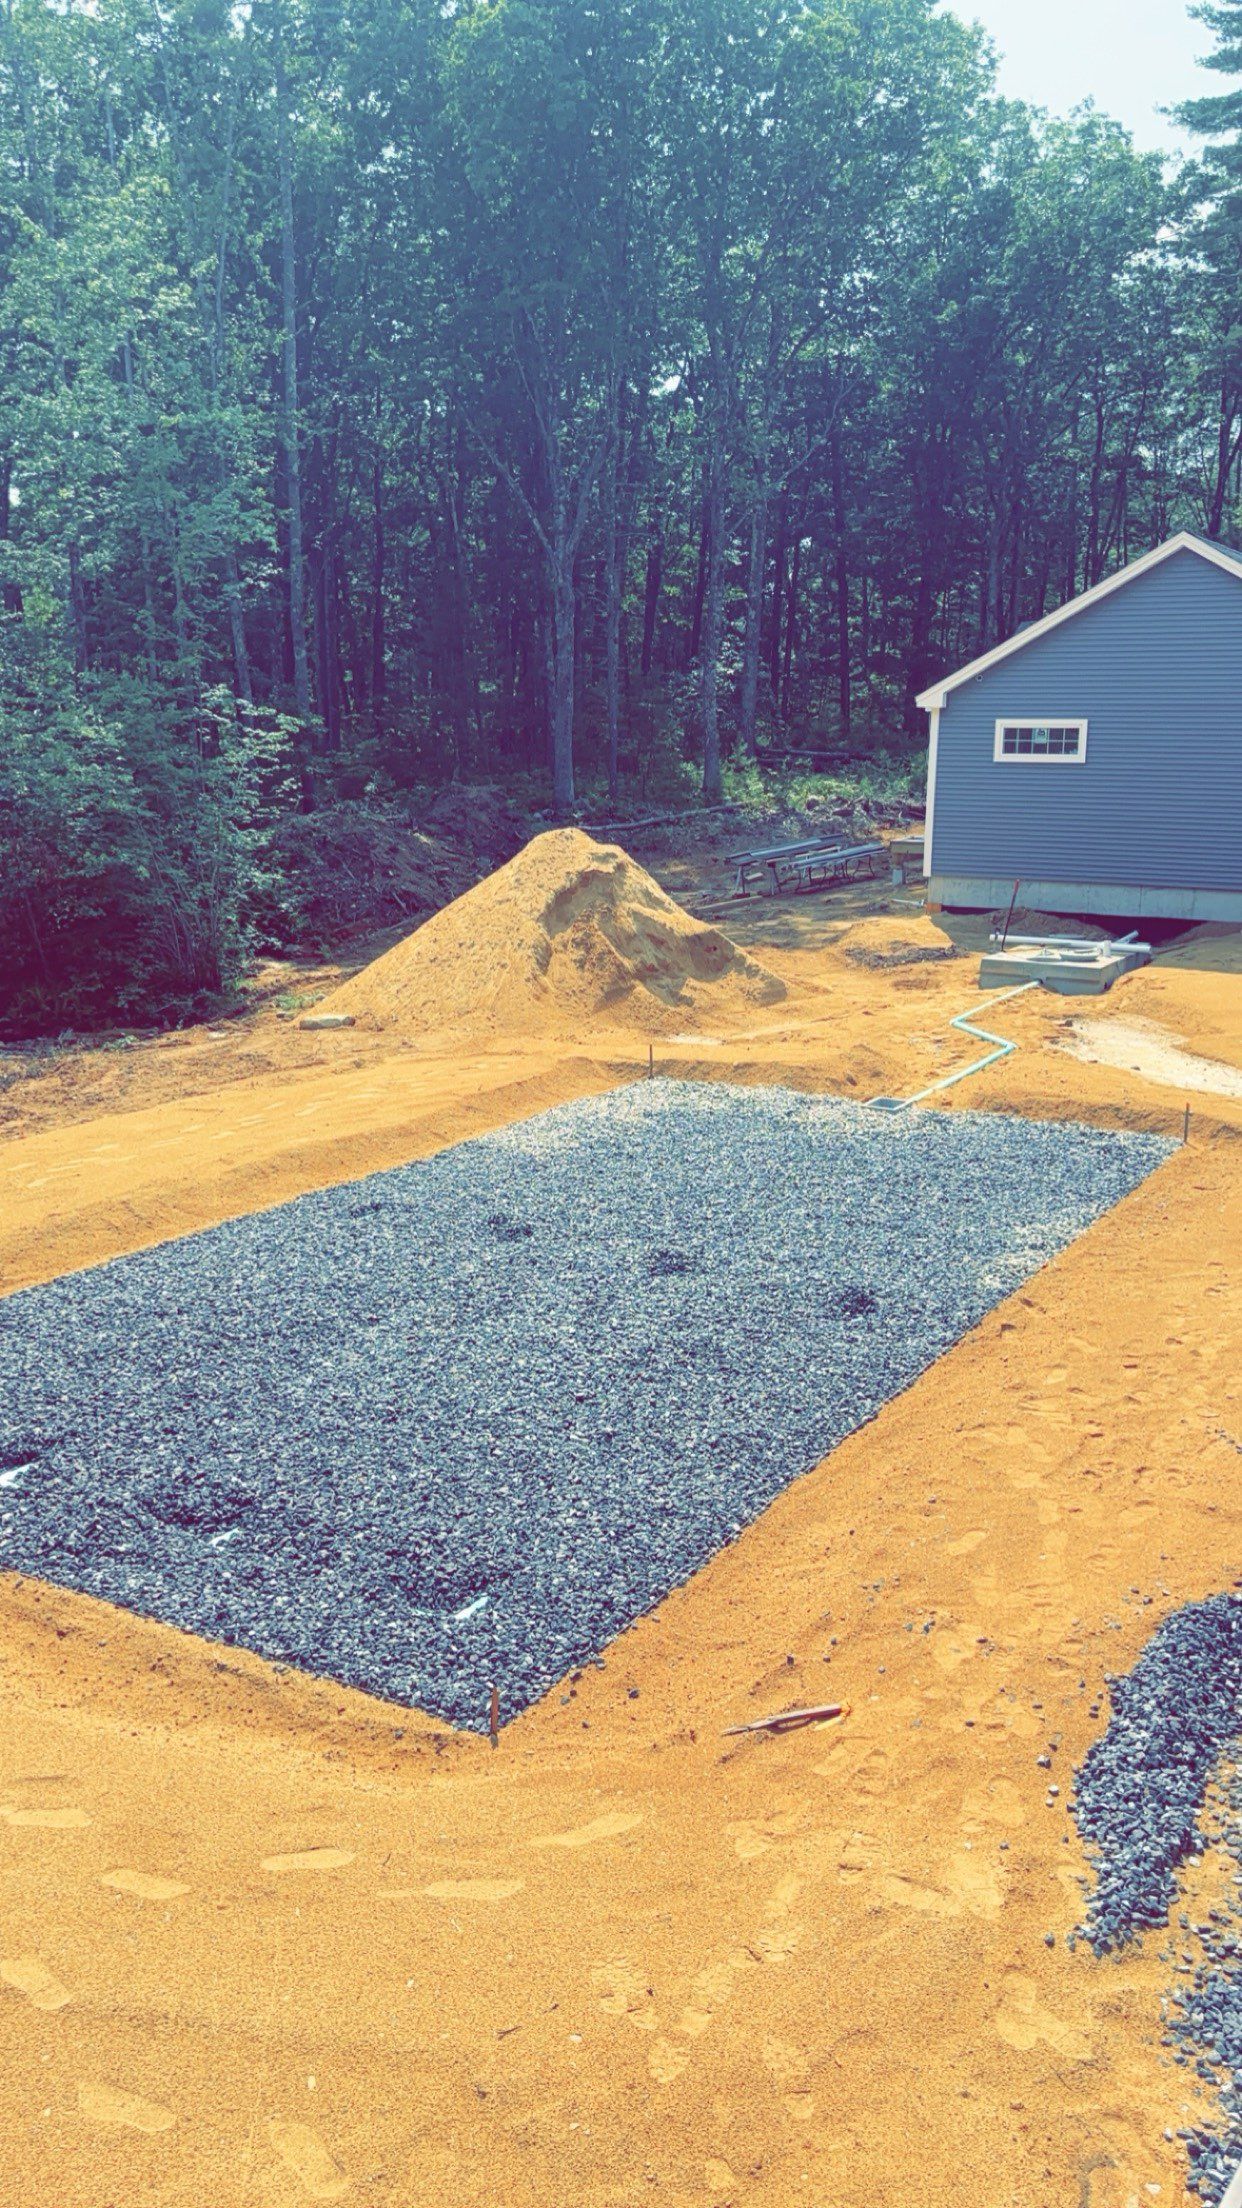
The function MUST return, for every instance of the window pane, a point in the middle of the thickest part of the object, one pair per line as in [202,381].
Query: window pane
[1037,740]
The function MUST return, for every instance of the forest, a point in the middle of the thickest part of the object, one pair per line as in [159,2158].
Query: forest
[604,399]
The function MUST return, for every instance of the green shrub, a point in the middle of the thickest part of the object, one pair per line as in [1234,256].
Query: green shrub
[132,833]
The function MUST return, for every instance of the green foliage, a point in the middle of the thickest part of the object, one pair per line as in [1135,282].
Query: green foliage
[134,847]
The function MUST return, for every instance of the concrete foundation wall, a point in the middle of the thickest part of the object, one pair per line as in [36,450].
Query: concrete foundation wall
[982,893]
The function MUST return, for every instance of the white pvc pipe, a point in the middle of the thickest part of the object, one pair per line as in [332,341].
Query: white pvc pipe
[965,1025]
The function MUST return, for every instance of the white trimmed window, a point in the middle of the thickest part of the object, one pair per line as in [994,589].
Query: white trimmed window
[1062,741]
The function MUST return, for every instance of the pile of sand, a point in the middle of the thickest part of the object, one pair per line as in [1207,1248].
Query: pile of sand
[569,931]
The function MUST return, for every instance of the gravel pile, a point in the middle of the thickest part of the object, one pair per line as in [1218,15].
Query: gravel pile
[1141,1788]
[1151,1793]
[465,1420]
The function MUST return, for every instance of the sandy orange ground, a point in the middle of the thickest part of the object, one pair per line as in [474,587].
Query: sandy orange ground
[266,1941]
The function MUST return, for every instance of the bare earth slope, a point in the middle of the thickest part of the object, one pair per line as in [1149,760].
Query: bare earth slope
[569,928]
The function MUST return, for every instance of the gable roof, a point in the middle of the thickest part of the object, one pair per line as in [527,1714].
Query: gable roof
[1218,555]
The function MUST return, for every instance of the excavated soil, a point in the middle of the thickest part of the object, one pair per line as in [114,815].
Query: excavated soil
[267,1941]
[569,929]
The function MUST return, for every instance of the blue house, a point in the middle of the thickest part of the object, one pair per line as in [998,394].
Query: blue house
[1096,758]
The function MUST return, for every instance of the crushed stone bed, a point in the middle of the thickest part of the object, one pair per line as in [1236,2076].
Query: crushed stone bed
[1160,1786]
[463,1421]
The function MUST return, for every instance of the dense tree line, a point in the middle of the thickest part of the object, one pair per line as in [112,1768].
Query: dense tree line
[393,391]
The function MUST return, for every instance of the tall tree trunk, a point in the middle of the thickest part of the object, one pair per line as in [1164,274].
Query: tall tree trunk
[778,597]
[144,534]
[652,586]
[713,616]
[561,673]
[695,644]
[237,626]
[289,355]
[325,641]
[1226,456]
[755,566]
[355,686]
[1094,563]
[791,623]
[920,639]
[464,681]
[614,562]
[12,595]
[842,575]
[379,670]
[989,595]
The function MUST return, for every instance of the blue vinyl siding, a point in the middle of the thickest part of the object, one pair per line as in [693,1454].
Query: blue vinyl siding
[1156,671]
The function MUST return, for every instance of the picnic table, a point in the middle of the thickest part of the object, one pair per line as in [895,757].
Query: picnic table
[811,864]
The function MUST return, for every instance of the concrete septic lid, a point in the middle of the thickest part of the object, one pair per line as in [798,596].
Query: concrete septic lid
[1088,972]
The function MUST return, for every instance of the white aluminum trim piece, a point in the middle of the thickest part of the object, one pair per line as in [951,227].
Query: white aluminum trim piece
[929,820]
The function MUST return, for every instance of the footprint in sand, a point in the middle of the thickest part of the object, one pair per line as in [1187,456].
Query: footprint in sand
[609,1827]
[144,1885]
[26,1974]
[107,2104]
[623,1991]
[304,2154]
[752,1838]
[775,1944]
[474,1889]
[856,1855]
[1138,1516]
[974,1884]
[966,1544]
[1022,2021]
[310,1859]
[951,1650]
[667,2062]
[48,1820]
[906,1893]
[1104,2186]
[997,1803]
[714,1985]
[785,2062]
[784,1894]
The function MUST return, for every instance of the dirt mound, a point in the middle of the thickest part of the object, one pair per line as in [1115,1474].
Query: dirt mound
[569,930]
[885,941]
[882,942]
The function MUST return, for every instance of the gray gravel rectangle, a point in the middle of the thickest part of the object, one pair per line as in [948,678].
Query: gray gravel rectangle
[465,1420]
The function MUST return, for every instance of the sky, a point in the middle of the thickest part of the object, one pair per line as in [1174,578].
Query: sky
[1130,56]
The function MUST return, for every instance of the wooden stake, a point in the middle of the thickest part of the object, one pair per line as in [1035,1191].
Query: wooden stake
[493,1718]
[1186,1125]
[788,1721]
[1009,915]
[651,1061]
